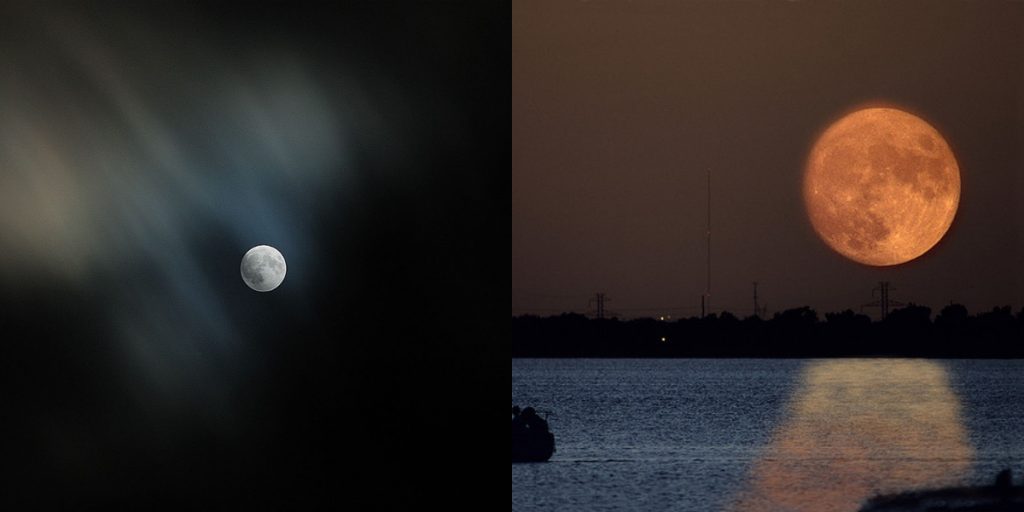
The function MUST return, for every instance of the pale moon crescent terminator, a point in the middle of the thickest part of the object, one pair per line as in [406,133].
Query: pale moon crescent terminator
[881,186]
[263,268]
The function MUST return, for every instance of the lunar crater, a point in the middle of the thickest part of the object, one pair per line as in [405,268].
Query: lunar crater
[263,268]
[881,186]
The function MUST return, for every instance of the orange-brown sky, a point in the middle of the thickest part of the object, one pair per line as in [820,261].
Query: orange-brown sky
[619,109]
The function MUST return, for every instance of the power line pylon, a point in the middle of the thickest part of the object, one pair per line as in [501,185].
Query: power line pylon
[883,302]
[598,303]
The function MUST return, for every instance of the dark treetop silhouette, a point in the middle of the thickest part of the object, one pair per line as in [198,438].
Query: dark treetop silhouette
[799,332]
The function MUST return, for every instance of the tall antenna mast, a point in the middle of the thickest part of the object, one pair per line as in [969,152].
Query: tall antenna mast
[707,290]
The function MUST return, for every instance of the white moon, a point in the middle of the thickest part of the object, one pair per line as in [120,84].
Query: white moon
[263,268]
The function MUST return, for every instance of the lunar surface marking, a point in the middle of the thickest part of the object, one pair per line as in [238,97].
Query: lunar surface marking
[881,186]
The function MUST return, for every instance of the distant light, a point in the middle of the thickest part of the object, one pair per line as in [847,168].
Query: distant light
[662,338]
[661,318]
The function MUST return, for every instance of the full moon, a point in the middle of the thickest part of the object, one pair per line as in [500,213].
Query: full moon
[881,186]
[263,268]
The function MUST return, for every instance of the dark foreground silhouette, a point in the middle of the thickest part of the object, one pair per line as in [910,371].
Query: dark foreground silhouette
[906,332]
[1001,497]
[531,439]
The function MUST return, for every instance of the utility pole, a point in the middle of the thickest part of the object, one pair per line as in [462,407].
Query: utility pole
[757,310]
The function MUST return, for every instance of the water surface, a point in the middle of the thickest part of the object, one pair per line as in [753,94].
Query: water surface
[748,434]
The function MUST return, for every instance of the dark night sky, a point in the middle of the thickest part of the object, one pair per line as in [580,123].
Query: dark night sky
[145,147]
[619,108]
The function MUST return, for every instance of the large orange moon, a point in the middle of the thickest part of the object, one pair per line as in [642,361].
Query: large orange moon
[881,186]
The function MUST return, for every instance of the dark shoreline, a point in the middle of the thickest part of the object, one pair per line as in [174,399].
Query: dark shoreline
[797,333]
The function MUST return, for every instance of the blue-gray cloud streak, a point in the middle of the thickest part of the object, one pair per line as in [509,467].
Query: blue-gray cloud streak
[120,145]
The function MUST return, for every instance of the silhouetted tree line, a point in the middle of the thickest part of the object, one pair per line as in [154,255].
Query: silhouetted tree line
[799,332]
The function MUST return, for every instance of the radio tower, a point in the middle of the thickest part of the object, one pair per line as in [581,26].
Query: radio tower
[705,301]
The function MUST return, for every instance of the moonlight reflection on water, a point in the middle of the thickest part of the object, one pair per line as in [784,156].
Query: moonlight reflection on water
[855,428]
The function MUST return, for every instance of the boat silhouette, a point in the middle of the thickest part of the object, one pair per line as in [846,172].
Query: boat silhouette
[532,441]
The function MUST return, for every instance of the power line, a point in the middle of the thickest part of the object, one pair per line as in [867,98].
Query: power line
[563,310]
[659,308]
[544,295]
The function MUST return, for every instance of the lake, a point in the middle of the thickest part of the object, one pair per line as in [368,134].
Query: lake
[764,435]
